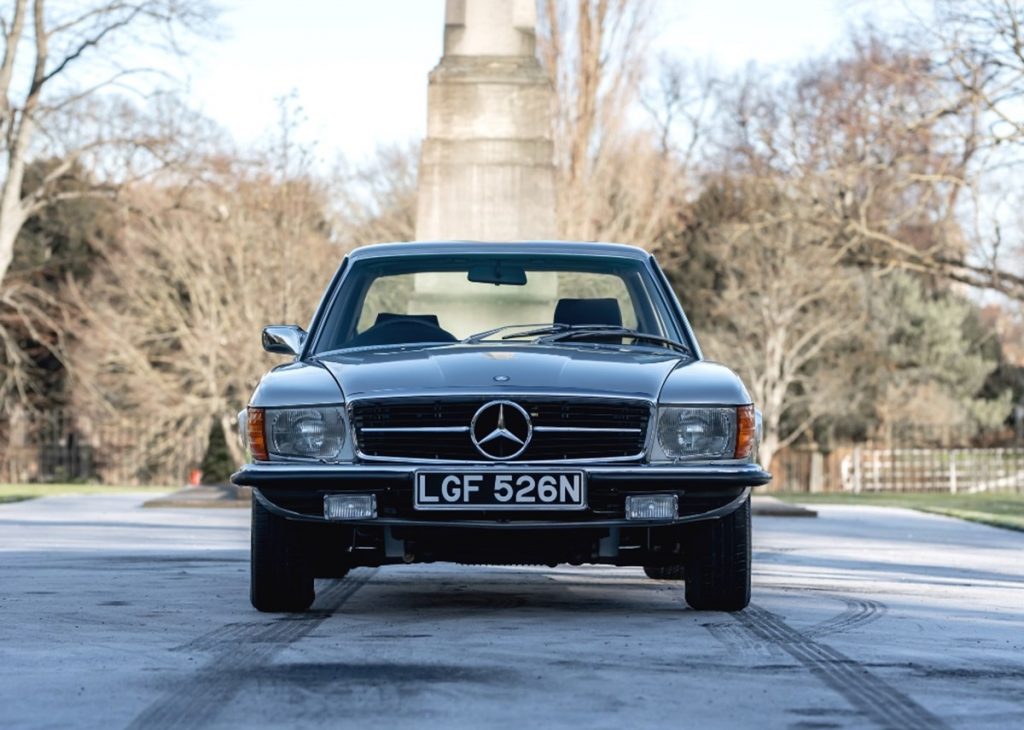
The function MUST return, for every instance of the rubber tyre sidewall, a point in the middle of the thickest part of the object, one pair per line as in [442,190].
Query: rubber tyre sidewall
[280,579]
[718,562]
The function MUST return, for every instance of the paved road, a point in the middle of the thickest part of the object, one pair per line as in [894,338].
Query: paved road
[116,616]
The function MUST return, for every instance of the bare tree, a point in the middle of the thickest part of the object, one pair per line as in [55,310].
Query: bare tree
[681,105]
[979,50]
[849,167]
[53,245]
[27,312]
[376,201]
[614,180]
[785,306]
[59,61]
[894,158]
[174,316]
[947,91]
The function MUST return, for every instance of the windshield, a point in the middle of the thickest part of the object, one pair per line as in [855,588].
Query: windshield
[428,300]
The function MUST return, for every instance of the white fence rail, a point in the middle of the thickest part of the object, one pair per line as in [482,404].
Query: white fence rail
[933,470]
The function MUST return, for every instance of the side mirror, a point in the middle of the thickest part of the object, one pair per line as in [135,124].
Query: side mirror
[284,339]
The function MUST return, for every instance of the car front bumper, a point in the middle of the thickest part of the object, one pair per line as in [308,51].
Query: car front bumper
[705,491]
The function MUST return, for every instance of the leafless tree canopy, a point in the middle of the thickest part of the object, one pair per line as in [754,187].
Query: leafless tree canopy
[615,181]
[785,203]
[174,318]
[376,201]
[827,225]
[59,59]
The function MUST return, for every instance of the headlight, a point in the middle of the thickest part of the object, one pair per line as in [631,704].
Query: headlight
[303,433]
[693,433]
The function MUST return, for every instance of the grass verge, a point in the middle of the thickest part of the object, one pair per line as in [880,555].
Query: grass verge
[999,509]
[20,492]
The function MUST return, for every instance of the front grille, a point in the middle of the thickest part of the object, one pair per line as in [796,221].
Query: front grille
[412,428]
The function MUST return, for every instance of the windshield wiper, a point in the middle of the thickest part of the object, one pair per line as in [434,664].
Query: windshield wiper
[554,329]
[556,332]
[487,333]
[581,331]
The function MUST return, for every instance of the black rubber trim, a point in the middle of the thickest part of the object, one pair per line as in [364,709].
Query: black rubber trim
[716,513]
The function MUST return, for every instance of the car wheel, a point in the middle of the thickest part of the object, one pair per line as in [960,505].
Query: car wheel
[279,575]
[718,562]
[664,572]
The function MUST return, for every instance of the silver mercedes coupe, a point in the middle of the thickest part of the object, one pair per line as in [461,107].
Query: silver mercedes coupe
[499,403]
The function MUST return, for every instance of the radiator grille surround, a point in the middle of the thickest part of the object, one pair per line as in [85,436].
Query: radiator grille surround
[438,429]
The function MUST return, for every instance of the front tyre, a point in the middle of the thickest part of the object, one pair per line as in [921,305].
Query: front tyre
[279,576]
[718,562]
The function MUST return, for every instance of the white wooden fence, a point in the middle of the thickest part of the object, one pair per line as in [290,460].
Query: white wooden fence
[933,470]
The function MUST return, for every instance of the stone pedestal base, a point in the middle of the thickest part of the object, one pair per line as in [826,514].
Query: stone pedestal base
[486,174]
[486,170]
[465,308]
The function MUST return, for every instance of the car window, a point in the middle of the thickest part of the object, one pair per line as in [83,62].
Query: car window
[463,307]
[441,299]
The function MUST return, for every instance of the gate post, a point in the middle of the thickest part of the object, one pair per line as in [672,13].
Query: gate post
[856,470]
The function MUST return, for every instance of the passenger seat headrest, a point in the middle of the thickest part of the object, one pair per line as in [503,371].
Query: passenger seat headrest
[588,311]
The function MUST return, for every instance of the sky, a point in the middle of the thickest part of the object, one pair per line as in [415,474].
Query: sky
[358,68]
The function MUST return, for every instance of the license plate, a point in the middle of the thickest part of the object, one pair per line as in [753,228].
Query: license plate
[507,490]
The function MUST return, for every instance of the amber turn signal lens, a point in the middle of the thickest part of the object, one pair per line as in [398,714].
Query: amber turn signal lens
[746,431]
[257,435]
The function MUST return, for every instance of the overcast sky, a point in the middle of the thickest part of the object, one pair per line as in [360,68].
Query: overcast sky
[359,67]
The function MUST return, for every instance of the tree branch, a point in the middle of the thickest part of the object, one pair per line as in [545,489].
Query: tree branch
[89,43]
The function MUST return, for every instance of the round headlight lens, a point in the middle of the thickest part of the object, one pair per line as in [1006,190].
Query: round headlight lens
[310,433]
[697,433]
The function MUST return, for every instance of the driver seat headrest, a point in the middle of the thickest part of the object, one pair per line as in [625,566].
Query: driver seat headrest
[383,317]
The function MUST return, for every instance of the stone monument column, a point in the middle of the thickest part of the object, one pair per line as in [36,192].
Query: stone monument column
[486,170]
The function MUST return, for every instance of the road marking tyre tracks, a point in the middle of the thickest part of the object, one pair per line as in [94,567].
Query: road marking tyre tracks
[222,636]
[197,700]
[884,705]
[859,611]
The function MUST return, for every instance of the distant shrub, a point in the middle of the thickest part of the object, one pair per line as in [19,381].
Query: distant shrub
[217,465]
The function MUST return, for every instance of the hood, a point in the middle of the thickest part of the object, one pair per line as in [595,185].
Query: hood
[486,368]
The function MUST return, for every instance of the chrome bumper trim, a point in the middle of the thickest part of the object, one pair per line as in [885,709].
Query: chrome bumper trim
[279,472]
[368,459]
[466,429]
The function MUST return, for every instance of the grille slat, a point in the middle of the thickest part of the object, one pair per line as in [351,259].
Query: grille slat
[458,446]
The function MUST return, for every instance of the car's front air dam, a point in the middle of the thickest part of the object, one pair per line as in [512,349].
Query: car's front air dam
[297,492]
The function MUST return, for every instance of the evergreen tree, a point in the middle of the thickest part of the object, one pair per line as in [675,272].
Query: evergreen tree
[217,465]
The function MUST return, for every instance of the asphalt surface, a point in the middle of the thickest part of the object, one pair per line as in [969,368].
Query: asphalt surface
[116,616]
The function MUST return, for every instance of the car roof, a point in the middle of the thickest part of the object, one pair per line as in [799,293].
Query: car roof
[455,248]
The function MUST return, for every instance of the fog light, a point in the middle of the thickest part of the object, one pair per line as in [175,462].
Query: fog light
[652,507]
[350,506]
